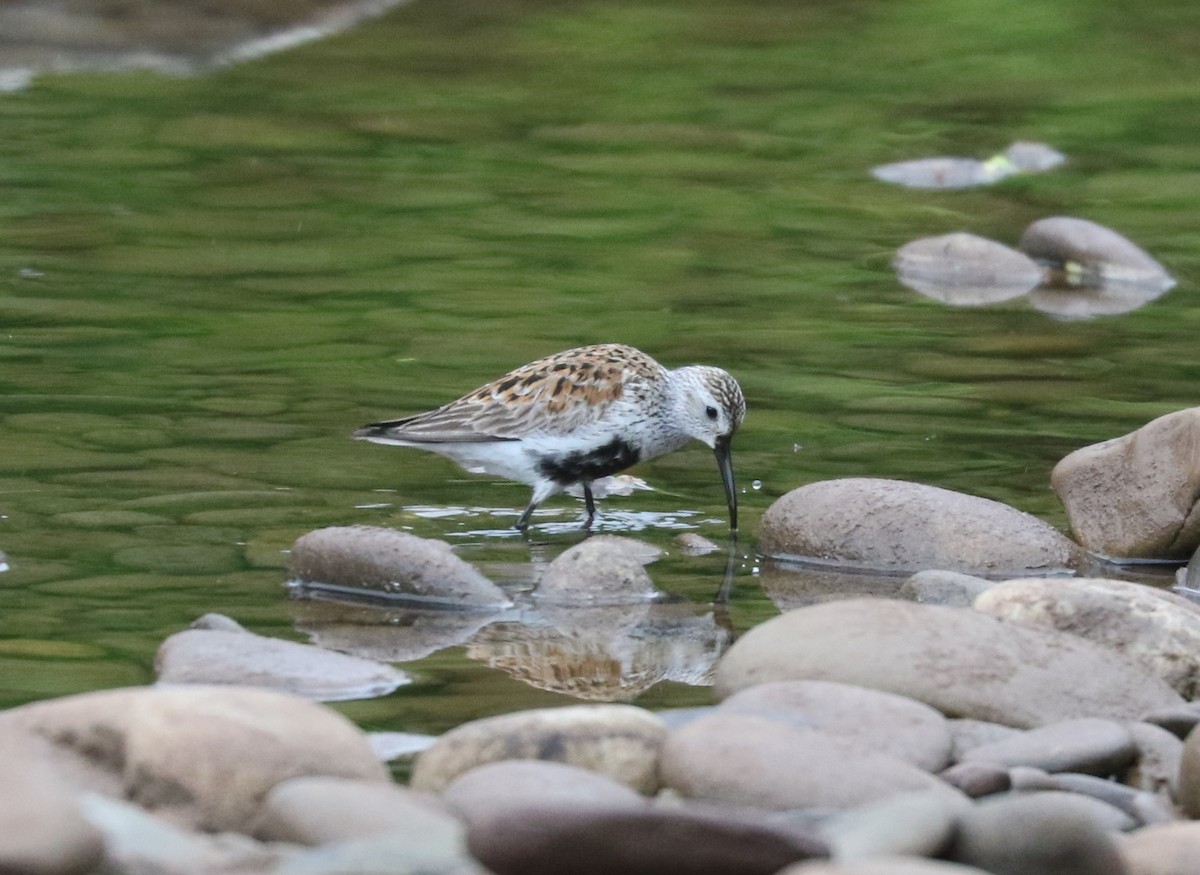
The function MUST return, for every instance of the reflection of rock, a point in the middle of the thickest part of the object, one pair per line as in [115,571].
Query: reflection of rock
[796,584]
[965,270]
[172,37]
[385,634]
[896,525]
[1084,303]
[375,561]
[1083,253]
[945,172]
[239,657]
[605,653]
[693,544]
[1136,496]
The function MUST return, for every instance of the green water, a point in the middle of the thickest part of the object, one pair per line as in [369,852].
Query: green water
[206,284]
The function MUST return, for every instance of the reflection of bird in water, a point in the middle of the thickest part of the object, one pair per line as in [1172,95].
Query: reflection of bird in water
[577,416]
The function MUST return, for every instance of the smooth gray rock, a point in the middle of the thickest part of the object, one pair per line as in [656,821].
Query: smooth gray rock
[965,270]
[1189,775]
[203,757]
[693,544]
[917,824]
[750,760]
[619,741]
[1156,769]
[1086,253]
[882,866]
[241,658]
[1179,719]
[966,734]
[1040,834]
[321,810]
[384,854]
[900,526]
[1135,496]
[977,779]
[648,841]
[1134,804]
[879,721]
[1152,627]
[944,588]
[1088,745]
[371,560]
[604,569]
[959,661]
[42,829]
[499,787]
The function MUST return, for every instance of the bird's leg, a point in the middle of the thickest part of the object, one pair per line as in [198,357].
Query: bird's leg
[590,503]
[522,522]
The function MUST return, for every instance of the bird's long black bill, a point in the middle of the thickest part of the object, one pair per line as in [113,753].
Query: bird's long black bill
[724,454]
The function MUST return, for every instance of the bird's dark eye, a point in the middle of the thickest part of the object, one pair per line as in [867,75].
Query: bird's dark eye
[711,412]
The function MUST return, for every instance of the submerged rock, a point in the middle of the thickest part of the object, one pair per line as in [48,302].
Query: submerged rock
[965,270]
[961,662]
[369,560]
[953,172]
[901,526]
[1156,629]
[1136,496]
[1083,253]
[604,569]
[223,656]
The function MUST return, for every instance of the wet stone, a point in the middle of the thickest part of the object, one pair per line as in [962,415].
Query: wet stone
[1135,496]
[751,760]
[619,741]
[650,841]
[965,270]
[370,560]
[939,172]
[896,525]
[218,656]
[692,544]
[944,588]
[1082,252]
[604,569]
[957,661]
[1096,747]
[878,721]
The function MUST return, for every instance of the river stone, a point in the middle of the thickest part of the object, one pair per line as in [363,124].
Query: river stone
[42,830]
[882,722]
[620,741]
[944,588]
[1029,157]
[965,270]
[962,662]
[967,734]
[1088,745]
[1039,834]
[203,757]
[380,561]
[499,787]
[940,172]
[1152,627]
[604,569]
[321,810]
[1091,254]
[917,824]
[138,843]
[693,544]
[884,866]
[1163,849]
[901,526]
[1135,496]
[649,841]
[751,760]
[1189,775]
[1127,804]
[1160,753]
[210,656]
[977,779]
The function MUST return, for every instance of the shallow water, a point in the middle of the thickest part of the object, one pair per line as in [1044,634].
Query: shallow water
[207,283]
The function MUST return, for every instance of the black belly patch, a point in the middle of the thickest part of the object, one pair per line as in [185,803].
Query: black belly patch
[583,466]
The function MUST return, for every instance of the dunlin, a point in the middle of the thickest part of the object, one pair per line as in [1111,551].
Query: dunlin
[577,416]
